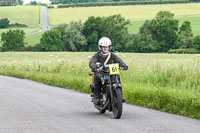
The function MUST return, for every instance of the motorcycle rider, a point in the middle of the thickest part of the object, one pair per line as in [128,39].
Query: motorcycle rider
[101,56]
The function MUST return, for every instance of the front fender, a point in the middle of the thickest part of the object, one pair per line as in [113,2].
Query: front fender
[116,85]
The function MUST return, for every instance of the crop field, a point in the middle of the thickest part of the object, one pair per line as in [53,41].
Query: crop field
[166,82]
[135,13]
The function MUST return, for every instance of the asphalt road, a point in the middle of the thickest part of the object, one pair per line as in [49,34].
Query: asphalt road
[30,107]
[45,24]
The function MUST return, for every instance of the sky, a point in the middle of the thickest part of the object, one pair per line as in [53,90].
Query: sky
[43,1]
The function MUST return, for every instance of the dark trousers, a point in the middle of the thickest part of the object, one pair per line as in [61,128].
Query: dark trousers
[98,83]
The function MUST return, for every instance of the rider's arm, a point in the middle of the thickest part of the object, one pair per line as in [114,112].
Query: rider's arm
[93,61]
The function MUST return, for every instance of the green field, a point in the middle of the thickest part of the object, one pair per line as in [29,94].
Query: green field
[166,82]
[33,39]
[28,15]
[135,13]
[195,24]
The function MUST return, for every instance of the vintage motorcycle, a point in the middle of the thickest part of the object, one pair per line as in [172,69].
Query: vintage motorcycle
[110,95]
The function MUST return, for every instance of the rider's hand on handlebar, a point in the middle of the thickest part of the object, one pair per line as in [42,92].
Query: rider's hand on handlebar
[125,67]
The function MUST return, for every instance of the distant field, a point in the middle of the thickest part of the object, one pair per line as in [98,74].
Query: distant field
[33,39]
[27,31]
[195,24]
[135,13]
[28,15]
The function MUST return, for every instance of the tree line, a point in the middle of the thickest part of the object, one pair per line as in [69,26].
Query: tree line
[120,3]
[11,2]
[160,34]
[83,1]
[5,23]
[96,1]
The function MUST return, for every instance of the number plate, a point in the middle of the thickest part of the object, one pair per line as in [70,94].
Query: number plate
[114,69]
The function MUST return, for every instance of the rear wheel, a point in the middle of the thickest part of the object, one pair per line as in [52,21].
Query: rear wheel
[117,103]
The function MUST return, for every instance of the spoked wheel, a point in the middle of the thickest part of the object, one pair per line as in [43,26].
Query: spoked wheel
[117,103]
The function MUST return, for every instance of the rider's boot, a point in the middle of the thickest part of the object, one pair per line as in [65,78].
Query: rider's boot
[96,99]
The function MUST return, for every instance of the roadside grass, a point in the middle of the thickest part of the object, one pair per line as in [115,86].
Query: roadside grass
[169,83]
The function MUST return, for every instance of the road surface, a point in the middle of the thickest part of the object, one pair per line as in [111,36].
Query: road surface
[45,25]
[30,107]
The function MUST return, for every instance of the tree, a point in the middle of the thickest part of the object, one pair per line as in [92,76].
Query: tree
[113,27]
[51,40]
[164,30]
[61,28]
[13,40]
[73,38]
[33,3]
[185,35]
[93,31]
[196,42]
[4,23]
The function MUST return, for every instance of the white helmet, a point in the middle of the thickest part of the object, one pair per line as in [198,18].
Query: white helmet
[104,41]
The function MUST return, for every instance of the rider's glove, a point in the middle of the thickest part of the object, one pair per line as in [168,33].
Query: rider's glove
[125,67]
[94,68]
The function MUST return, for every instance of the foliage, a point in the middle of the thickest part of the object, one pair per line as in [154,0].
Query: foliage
[51,40]
[33,3]
[11,2]
[18,25]
[113,27]
[32,48]
[184,51]
[185,36]
[61,28]
[196,42]
[13,40]
[73,38]
[89,4]
[4,23]
[164,30]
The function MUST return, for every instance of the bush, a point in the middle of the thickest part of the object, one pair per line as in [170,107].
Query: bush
[13,40]
[50,6]
[32,48]
[51,40]
[18,25]
[184,51]
[196,42]
[4,23]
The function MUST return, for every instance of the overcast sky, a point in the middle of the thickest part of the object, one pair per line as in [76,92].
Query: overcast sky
[43,1]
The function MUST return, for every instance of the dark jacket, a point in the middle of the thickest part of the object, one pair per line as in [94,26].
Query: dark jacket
[99,58]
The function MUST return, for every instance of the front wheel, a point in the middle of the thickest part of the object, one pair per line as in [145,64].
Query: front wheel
[117,103]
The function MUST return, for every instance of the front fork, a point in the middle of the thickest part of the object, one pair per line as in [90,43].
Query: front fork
[114,86]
